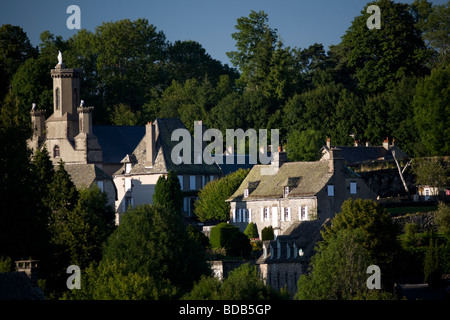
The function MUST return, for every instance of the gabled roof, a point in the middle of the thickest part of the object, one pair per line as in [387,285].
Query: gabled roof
[357,155]
[303,178]
[163,148]
[232,163]
[83,175]
[301,235]
[18,286]
[118,141]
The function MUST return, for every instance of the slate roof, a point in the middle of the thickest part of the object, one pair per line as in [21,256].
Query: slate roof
[303,178]
[228,168]
[83,175]
[303,234]
[163,148]
[357,155]
[18,286]
[118,141]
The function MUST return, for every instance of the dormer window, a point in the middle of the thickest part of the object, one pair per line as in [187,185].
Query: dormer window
[128,167]
[286,191]
[245,193]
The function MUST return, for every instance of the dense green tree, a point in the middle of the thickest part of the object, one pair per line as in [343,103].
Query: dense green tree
[153,241]
[122,115]
[442,219]
[189,60]
[304,145]
[18,196]
[380,232]
[242,283]
[211,203]
[430,172]
[380,57]
[112,281]
[15,49]
[435,26]
[431,110]
[255,45]
[338,270]
[168,192]
[251,231]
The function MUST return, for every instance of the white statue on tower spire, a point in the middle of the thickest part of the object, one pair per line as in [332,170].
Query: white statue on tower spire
[60,58]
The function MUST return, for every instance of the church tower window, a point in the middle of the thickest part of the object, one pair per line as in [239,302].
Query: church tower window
[56,152]
[57,97]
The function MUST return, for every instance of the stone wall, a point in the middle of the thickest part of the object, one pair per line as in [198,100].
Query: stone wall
[387,182]
[425,221]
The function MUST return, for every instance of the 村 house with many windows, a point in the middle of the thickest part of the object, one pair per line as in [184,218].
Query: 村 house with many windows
[136,179]
[297,199]
[295,192]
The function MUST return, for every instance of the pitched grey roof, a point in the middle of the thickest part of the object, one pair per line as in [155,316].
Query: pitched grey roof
[224,162]
[163,148]
[304,179]
[118,141]
[357,155]
[301,235]
[18,286]
[83,175]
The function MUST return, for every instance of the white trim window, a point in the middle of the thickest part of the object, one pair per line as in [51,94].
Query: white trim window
[245,193]
[192,183]
[285,214]
[353,187]
[330,189]
[303,213]
[128,184]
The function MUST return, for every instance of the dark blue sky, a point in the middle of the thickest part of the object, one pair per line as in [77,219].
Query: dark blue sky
[209,22]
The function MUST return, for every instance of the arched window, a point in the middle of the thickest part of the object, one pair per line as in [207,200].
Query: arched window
[57,98]
[56,152]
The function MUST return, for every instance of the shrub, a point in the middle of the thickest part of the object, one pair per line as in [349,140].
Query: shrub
[229,237]
[267,233]
[251,231]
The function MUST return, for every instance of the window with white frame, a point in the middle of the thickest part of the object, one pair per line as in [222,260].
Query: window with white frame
[330,189]
[353,187]
[286,191]
[192,182]
[245,193]
[303,213]
[266,213]
[127,184]
[287,214]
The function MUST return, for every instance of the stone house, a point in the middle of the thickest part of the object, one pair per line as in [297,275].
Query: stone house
[297,199]
[136,179]
[295,192]
[68,133]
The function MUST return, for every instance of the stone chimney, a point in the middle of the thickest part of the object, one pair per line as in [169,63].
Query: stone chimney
[38,124]
[357,143]
[31,268]
[150,138]
[85,117]
[278,158]
[335,162]
[386,144]
[328,143]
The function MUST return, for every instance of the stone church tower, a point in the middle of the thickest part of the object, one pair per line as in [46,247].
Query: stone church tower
[67,133]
